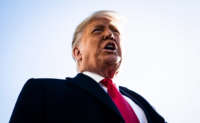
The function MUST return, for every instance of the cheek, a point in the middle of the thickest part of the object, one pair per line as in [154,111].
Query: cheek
[91,48]
[94,47]
[89,52]
[120,47]
[120,52]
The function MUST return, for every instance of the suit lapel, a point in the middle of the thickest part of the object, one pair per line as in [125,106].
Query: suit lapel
[93,88]
[135,98]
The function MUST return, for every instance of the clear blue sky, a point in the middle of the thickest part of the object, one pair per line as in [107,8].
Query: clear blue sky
[161,49]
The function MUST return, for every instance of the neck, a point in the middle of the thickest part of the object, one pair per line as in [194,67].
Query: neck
[109,72]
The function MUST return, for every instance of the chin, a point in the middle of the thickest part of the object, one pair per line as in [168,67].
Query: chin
[113,60]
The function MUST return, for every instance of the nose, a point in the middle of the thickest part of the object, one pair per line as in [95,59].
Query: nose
[109,35]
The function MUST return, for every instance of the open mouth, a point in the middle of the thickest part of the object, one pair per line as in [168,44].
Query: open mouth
[110,46]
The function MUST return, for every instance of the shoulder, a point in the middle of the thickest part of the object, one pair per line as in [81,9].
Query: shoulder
[45,81]
[42,83]
[38,88]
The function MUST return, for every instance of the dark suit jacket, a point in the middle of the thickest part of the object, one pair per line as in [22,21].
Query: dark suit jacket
[74,100]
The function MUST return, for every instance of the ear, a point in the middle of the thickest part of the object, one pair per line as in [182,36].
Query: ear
[77,54]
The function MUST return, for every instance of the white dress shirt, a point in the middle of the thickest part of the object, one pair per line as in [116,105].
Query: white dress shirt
[138,111]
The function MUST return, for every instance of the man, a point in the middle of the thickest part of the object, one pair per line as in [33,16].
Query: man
[91,96]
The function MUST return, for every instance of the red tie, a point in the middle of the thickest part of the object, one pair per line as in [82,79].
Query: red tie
[123,106]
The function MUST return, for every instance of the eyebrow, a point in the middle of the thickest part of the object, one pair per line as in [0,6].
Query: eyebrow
[99,26]
[112,27]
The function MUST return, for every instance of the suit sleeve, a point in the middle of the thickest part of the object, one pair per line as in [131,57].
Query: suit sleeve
[29,105]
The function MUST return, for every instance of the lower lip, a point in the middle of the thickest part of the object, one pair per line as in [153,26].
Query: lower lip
[110,51]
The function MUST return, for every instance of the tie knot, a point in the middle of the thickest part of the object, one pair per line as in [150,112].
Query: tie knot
[106,82]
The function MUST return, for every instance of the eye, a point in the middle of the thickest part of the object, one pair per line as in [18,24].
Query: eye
[97,30]
[115,30]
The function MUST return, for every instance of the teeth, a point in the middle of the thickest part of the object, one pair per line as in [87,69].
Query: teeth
[110,46]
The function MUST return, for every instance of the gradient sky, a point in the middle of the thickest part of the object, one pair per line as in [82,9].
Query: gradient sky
[161,49]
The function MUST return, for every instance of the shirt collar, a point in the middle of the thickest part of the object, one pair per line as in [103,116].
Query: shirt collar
[94,76]
[97,77]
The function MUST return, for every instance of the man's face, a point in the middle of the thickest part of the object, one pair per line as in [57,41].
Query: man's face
[100,46]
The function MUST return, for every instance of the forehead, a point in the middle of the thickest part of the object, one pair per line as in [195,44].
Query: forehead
[103,21]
